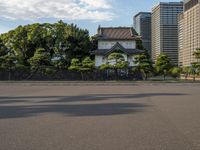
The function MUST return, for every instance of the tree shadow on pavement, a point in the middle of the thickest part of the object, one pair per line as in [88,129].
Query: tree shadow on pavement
[71,110]
[79,98]
[27,106]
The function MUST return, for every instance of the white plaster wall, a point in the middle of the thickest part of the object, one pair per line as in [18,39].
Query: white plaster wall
[110,44]
[128,44]
[98,60]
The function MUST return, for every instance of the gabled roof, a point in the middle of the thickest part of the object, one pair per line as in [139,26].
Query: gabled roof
[117,46]
[116,33]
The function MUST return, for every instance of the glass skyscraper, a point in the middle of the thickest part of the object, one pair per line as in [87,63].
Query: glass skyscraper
[165,30]
[142,25]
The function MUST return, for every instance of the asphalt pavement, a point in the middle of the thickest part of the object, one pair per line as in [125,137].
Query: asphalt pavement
[99,116]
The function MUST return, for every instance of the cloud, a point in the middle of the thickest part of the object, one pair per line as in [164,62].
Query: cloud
[92,4]
[93,10]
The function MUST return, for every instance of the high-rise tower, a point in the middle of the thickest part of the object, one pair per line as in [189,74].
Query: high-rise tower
[142,25]
[165,30]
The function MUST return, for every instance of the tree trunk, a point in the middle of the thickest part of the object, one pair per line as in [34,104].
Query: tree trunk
[164,77]
[194,77]
[82,75]
[164,74]
[96,74]
[146,77]
[9,75]
[116,74]
[186,76]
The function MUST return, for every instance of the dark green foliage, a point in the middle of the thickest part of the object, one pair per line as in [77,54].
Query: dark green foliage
[75,65]
[195,67]
[116,57]
[94,42]
[8,62]
[104,66]
[43,48]
[3,49]
[197,54]
[186,71]
[40,58]
[62,41]
[116,62]
[175,72]
[87,65]
[41,61]
[139,44]
[144,65]
[7,57]
[163,65]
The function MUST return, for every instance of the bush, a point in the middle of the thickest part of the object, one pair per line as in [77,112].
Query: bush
[175,72]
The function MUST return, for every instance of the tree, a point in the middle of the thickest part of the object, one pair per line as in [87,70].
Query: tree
[195,67]
[3,49]
[139,44]
[19,43]
[71,42]
[186,70]
[8,63]
[197,54]
[176,71]
[163,65]
[85,66]
[75,66]
[104,66]
[8,59]
[144,65]
[40,61]
[60,40]
[116,61]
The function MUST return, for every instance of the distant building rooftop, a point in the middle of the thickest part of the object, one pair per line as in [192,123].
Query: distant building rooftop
[167,3]
[140,13]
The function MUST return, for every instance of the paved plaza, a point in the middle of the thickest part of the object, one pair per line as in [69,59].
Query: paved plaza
[108,116]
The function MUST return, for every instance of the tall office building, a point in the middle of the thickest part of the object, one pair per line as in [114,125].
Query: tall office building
[189,32]
[142,25]
[165,30]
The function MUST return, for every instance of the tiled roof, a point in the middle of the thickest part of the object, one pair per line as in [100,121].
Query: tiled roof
[116,33]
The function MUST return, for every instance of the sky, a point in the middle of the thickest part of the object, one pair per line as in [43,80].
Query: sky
[87,14]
